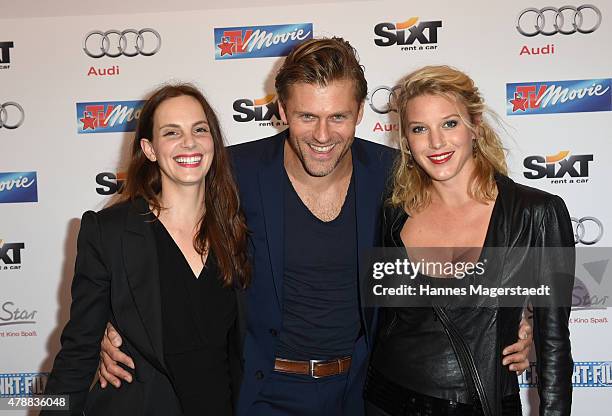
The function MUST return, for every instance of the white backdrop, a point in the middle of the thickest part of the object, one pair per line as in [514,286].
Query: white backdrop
[45,70]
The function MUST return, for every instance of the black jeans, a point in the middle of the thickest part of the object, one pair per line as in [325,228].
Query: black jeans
[512,409]
[385,398]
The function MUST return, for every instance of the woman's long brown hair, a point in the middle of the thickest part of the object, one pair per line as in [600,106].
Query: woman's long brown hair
[222,226]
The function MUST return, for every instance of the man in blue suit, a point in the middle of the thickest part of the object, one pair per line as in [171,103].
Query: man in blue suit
[312,196]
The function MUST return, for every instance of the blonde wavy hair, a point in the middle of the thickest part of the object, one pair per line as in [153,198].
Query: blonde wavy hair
[411,184]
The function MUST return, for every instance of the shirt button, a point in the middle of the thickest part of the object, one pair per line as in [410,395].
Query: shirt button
[273,332]
[259,375]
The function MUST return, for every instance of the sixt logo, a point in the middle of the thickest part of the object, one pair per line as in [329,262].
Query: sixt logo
[108,116]
[259,41]
[110,183]
[22,384]
[586,374]
[10,255]
[18,187]
[406,33]
[558,166]
[5,54]
[547,97]
[263,110]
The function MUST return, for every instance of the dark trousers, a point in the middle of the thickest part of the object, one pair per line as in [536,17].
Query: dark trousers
[511,406]
[297,395]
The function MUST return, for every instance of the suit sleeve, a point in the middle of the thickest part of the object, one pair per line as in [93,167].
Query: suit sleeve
[76,363]
[552,339]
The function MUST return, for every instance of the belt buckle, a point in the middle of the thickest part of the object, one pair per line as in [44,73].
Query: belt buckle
[312,367]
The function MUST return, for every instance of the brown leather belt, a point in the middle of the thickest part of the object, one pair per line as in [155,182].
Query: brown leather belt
[313,368]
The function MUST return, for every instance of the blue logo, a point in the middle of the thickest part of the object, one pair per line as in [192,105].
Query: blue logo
[108,117]
[22,384]
[259,41]
[548,97]
[586,374]
[18,187]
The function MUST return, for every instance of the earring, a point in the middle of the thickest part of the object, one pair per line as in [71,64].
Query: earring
[409,160]
[474,147]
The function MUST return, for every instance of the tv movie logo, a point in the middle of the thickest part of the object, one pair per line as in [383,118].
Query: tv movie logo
[585,374]
[558,166]
[405,34]
[263,110]
[110,183]
[548,97]
[18,187]
[10,255]
[108,116]
[22,384]
[259,41]
[5,54]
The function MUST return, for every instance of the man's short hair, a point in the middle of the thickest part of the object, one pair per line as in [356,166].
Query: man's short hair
[320,62]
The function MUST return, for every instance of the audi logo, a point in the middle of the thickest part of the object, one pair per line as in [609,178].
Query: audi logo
[380,99]
[588,234]
[113,43]
[565,20]
[5,115]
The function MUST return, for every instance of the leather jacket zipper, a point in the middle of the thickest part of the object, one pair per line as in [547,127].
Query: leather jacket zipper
[466,360]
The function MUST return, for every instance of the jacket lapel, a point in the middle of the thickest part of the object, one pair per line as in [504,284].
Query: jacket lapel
[367,207]
[141,266]
[272,199]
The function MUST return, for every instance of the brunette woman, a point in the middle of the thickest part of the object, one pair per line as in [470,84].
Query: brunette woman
[166,266]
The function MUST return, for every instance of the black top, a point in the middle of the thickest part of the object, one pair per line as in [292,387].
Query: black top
[197,316]
[320,293]
[434,370]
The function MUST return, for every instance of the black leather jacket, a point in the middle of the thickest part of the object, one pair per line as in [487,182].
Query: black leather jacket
[522,218]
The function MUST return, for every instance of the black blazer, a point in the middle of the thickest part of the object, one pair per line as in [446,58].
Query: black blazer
[116,280]
[523,218]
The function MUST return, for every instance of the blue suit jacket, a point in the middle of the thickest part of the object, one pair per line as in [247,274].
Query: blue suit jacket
[259,171]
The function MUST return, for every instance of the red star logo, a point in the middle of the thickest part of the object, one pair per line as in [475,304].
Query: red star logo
[226,47]
[88,121]
[518,103]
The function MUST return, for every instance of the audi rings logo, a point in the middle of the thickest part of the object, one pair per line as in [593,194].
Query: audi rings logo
[566,20]
[8,117]
[587,230]
[380,99]
[130,42]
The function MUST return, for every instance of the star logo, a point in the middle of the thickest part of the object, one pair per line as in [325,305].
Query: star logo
[88,121]
[518,103]
[226,47]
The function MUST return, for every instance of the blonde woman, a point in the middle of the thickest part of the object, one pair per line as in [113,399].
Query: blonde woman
[450,190]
